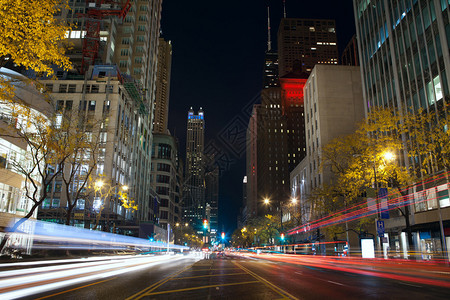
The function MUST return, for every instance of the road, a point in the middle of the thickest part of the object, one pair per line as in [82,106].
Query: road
[239,277]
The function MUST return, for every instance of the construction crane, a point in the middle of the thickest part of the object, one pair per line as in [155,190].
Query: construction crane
[96,11]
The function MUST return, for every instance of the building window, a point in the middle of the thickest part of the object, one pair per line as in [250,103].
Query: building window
[63,88]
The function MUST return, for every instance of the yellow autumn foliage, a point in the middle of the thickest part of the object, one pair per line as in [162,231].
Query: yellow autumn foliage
[32,37]
[30,34]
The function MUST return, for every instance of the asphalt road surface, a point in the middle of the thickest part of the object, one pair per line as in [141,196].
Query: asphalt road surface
[235,277]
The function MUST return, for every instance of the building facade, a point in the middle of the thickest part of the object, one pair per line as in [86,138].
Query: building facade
[114,103]
[333,107]
[194,188]
[212,199]
[166,178]
[312,41]
[404,55]
[162,86]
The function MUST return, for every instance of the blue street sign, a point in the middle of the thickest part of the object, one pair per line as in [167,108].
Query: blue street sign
[380,228]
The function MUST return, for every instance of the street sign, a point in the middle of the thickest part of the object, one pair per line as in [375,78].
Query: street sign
[380,228]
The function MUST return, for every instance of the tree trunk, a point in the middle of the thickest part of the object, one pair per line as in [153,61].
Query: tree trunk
[69,214]
[407,221]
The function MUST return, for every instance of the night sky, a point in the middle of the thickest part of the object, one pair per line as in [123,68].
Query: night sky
[218,57]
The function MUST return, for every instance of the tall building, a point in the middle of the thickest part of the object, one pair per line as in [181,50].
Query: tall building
[212,199]
[270,76]
[166,178]
[267,163]
[292,108]
[311,41]
[162,86]
[127,36]
[350,56]
[404,55]
[333,107]
[124,156]
[194,187]
[114,55]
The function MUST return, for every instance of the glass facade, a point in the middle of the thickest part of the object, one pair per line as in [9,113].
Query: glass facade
[404,51]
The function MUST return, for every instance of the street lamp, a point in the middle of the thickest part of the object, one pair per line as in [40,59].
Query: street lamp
[266,201]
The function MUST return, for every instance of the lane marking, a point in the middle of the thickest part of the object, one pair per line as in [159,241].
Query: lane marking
[335,282]
[74,289]
[273,287]
[410,284]
[139,295]
[179,278]
[300,273]
[201,287]
[215,269]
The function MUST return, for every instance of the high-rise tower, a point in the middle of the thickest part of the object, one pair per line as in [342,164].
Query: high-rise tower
[194,195]
[162,86]
[270,76]
[308,40]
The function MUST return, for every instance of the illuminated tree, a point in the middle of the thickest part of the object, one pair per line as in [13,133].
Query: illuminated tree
[31,37]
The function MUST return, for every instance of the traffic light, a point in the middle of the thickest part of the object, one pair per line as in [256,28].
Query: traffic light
[223,235]
[282,236]
[205,224]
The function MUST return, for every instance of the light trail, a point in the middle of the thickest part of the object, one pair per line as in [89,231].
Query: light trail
[47,235]
[437,274]
[358,211]
[30,281]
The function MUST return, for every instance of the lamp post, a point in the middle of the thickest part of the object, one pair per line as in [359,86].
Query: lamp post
[386,156]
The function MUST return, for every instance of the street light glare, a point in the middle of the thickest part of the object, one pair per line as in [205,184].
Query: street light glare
[266,201]
[388,156]
[294,200]
[125,187]
[99,183]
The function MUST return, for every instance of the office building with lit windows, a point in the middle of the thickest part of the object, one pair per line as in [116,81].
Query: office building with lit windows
[114,103]
[311,41]
[194,187]
[404,55]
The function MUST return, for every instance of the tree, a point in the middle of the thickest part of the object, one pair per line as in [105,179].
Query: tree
[44,148]
[359,160]
[104,190]
[31,38]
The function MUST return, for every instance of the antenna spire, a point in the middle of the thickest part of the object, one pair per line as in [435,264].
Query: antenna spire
[269,40]
[284,8]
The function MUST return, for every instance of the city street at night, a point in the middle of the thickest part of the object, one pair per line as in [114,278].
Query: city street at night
[203,150]
[246,277]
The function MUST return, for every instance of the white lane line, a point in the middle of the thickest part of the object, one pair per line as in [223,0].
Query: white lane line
[334,282]
[300,273]
[414,285]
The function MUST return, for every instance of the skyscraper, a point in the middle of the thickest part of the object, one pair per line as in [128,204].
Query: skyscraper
[162,86]
[270,76]
[113,81]
[309,40]
[404,56]
[194,195]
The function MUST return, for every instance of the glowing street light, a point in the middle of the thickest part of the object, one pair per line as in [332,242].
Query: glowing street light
[98,184]
[125,188]
[266,201]
[389,156]
[294,200]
